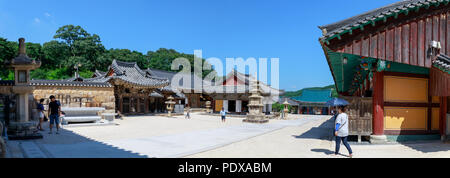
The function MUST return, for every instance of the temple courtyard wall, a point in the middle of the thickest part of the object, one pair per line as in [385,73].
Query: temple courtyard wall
[71,96]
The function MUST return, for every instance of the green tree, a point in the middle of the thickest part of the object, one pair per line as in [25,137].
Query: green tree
[72,45]
[84,48]
[162,59]
[54,53]
[8,50]
[34,51]
[122,55]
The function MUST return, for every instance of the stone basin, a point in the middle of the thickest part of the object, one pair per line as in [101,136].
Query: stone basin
[82,111]
[77,115]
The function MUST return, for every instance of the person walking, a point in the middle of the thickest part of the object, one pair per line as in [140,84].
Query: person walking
[188,112]
[341,131]
[40,108]
[54,111]
[223,114]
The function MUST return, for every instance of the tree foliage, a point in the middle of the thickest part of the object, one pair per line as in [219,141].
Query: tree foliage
[72,45]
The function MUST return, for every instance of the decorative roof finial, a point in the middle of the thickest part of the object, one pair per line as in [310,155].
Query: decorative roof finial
[22,47]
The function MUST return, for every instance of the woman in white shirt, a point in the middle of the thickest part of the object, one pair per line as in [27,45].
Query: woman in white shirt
[341,131]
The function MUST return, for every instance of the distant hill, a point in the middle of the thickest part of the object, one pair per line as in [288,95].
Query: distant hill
[290,94]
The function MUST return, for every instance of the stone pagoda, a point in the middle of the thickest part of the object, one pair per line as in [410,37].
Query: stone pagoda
[256,106]
[24,125]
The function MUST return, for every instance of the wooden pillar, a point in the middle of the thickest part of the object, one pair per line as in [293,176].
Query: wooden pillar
[121,104]
[146,104]
[443,116]
[138,103]
[378,104]
[213,105]
[130,105]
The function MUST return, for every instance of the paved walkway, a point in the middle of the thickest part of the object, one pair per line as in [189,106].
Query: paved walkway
[207,137]
[175,140]
[312,140]
[180,145]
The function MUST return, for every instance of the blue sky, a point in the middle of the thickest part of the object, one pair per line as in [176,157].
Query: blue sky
[285,29]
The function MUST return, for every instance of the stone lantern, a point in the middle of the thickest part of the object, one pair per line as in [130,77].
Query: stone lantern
[23,126]
[170,105]
[256,106]
[286,109]
[208,106]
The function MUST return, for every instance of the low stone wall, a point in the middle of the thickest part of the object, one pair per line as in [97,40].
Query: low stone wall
[76,96]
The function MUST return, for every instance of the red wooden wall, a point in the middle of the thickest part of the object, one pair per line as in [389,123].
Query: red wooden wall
[439,83]
[406,42]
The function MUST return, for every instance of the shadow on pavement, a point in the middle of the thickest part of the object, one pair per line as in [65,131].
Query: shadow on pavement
[427,146]
[322,132]
[69,144]
[325,151]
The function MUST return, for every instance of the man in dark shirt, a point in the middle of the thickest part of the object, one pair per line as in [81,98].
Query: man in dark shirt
[54,110]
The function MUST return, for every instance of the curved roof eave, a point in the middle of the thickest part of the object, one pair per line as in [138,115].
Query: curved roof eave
[335,30]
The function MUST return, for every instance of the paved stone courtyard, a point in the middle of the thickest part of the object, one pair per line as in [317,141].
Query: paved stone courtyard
[206,137]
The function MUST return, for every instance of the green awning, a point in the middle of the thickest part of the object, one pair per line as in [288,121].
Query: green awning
[350,75]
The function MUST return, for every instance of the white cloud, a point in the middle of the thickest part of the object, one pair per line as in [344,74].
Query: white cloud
[47,14]
[37,20]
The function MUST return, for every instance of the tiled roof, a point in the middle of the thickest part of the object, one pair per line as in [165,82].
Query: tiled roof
[131,73]
[68,83]
[247,79]
[6,82]
[290,101]
[314,96]
[169,75]
[156,94]
[344,26]
[442,62]
[58,83]
[98,73]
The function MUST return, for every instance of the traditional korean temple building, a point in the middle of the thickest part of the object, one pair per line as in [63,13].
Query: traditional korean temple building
[397,55]
[133,88]
[233,93]
[312,101]
[187,94]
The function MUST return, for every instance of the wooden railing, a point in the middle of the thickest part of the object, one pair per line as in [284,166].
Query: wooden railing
[360,112]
